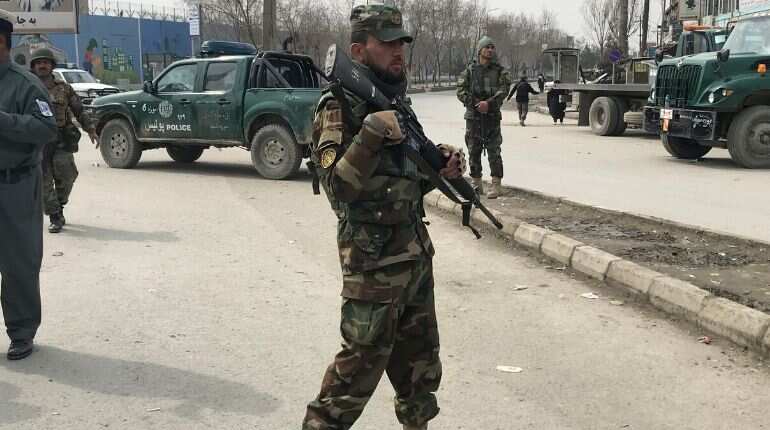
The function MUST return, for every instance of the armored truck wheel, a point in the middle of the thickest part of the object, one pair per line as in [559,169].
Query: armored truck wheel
[749,138]
[184,154]
[685,149]
[274,152]
[621,126]
[118,145]
[604,116]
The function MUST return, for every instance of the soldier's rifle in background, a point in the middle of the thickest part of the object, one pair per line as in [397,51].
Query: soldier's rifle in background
[426,155]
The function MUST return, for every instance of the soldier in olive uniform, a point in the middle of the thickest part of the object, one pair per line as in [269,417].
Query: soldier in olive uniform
[59,169]
[388,313]
[26,125]
[482,88]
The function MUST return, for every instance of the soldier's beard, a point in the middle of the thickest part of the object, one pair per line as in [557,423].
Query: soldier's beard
[385,75]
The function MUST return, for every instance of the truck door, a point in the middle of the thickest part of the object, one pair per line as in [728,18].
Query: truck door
[218,110]
[168,114]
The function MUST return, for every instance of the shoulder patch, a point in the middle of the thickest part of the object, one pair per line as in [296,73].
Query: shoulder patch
[44,108]
[328,157]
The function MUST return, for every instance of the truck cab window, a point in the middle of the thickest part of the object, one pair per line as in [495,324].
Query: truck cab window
[220,77]
[180,79]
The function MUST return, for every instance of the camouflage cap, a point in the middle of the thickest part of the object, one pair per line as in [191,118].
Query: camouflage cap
[381,21]
[6,21]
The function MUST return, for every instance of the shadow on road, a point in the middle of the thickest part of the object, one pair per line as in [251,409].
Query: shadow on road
[713,163]
[12,412]
[194,391]
[108,234]
[204,168]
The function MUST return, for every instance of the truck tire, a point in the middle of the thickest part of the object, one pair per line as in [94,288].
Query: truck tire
[118,145]
[749,138]
[622,109]
[685,149]
[604,116]
[274,152]
[184,154]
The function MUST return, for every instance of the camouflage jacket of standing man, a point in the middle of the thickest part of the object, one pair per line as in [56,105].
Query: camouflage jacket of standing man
[488,83]
[66,104]
[378,202]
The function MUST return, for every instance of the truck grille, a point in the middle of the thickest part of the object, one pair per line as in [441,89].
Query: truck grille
[678,84]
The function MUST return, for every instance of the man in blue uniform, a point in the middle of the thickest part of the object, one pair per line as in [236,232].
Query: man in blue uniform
[27,123]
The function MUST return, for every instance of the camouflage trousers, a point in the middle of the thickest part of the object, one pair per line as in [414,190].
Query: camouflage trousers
[59,175]
[480,135]
[400,338]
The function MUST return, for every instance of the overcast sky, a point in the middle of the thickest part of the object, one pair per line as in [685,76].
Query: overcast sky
[568,12]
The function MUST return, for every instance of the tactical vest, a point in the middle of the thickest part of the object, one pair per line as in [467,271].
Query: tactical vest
[484,85]
[384,225]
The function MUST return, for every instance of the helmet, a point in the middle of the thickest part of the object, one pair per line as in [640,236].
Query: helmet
[42,54]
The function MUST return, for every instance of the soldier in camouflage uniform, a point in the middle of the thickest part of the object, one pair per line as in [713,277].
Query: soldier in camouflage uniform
[388,313]
[59,170]
[482,88]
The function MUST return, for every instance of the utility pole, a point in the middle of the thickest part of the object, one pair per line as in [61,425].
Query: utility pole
[645,28]
[622,23]
[268,25]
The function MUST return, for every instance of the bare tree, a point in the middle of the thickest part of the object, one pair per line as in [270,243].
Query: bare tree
[596,18]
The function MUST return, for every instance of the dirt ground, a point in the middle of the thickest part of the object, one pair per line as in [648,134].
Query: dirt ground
[729,267]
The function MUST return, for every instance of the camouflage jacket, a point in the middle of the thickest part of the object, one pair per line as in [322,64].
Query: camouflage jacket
[66,104]
[483,83]
[380,212]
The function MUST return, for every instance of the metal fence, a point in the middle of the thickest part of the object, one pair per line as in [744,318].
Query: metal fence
[129,9]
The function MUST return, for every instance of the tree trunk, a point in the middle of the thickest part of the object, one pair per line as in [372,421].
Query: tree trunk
[645,28]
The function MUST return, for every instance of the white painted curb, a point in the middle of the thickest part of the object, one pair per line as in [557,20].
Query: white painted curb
[741,324]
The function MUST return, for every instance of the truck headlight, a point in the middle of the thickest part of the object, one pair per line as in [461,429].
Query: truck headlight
[82,94]
[720,94]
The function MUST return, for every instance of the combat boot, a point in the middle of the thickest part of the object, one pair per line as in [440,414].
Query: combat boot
[495,190]
[478,186]
[57,223]
[61,215]
[411,427]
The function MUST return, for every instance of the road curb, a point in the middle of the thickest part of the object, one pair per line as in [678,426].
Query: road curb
[741,324]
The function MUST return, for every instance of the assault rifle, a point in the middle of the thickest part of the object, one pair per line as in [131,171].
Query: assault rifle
[428,158]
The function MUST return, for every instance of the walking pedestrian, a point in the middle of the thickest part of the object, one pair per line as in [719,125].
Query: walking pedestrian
[522,90]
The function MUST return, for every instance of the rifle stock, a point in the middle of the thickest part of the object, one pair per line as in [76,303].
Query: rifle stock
[429,159]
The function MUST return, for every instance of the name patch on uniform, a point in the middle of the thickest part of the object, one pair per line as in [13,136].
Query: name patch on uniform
[328,157]
[45,110]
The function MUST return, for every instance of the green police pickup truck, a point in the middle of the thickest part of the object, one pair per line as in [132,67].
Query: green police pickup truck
[718,99]
[263,103]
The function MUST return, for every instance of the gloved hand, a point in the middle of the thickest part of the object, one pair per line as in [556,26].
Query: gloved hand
[381,128]
[456,165]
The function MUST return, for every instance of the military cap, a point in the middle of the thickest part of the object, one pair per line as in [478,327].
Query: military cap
[6,21]
[42,54]
[381,21]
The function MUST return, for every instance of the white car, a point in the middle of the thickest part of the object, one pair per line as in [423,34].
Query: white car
[86,86]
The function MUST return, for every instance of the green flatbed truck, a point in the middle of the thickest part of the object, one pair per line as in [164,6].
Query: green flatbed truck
[718,99]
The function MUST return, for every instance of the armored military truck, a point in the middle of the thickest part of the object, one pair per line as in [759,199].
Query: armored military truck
[263,103]
[719,99]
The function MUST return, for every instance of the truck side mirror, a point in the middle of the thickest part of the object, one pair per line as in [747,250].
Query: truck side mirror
[658,56]
[723,56]
[148,87]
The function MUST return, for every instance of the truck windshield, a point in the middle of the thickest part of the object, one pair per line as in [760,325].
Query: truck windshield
[750,37]
[78,78]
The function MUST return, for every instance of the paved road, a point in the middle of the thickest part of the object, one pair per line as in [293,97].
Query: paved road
[203,297]
[630,173]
